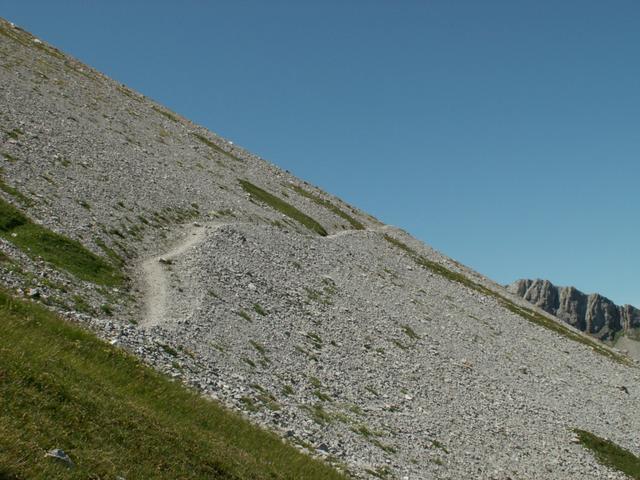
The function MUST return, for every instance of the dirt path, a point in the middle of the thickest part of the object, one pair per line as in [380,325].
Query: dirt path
[341,233]
[155,276]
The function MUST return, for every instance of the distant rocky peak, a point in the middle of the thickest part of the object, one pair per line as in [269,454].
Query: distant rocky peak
[591,313]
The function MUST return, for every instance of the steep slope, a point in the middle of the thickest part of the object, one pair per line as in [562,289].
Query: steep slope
[353,340]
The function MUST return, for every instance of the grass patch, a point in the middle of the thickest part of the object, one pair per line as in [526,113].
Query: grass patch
[10,158]
[109,252]
[315,340]
[363,430]
[409,332]
[215,147]
[166,114]
[259,310]
[64,253]
[258,346]
[14,192]
[329,206]
[245,315]
[323,397]
[168,349]
[26,39]
[524,312]
[283,207]
[610,454]
[61,387]
[318,413]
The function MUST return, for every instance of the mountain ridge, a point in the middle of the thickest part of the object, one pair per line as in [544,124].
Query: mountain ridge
[592,313]
[353,340]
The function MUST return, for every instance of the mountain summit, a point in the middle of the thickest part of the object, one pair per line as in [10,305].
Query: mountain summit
[347,337]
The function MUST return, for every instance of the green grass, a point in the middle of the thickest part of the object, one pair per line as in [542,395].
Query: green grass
[64,253]
[166,114]
[26,39]
[259,310]
[318,413]
[526,313]
[215,147]
[409,332]
[61,387]
[610,454]
[10,158]
[283,207]
[15,193]
[329,206]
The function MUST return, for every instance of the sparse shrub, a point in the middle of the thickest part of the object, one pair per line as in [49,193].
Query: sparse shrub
[259,310]
[410,332]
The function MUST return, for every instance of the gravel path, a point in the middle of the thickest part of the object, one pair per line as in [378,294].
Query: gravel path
[154,275]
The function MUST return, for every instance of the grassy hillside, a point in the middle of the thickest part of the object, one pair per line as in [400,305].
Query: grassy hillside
[61,387]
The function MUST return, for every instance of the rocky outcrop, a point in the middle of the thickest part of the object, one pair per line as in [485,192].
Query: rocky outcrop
[591,313]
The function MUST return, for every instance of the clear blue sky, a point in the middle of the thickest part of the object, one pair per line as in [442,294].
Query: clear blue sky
[504,133]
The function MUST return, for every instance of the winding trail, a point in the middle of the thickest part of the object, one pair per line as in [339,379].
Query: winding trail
[154,270]
[155,276]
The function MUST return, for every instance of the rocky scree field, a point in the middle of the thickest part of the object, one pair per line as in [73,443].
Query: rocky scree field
[351,340]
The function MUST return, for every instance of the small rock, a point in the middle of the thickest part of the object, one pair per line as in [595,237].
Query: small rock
[33,293]
[60,455]
[624,389]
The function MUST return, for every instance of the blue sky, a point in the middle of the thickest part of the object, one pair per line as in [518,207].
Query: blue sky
[504,133]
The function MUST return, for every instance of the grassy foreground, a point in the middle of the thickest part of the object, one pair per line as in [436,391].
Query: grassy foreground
[61,387]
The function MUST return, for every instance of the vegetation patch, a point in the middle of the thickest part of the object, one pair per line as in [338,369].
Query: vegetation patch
[283,207]
[26,39]
[10,158]
[64,253]
[61,387]
[524,312]
[318,413]
[166,114]
[409,332]
[215,147]
[15,193]
[610,454]
[329,206]
[259,310]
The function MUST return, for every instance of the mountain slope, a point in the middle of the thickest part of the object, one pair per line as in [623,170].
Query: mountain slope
[350,338]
